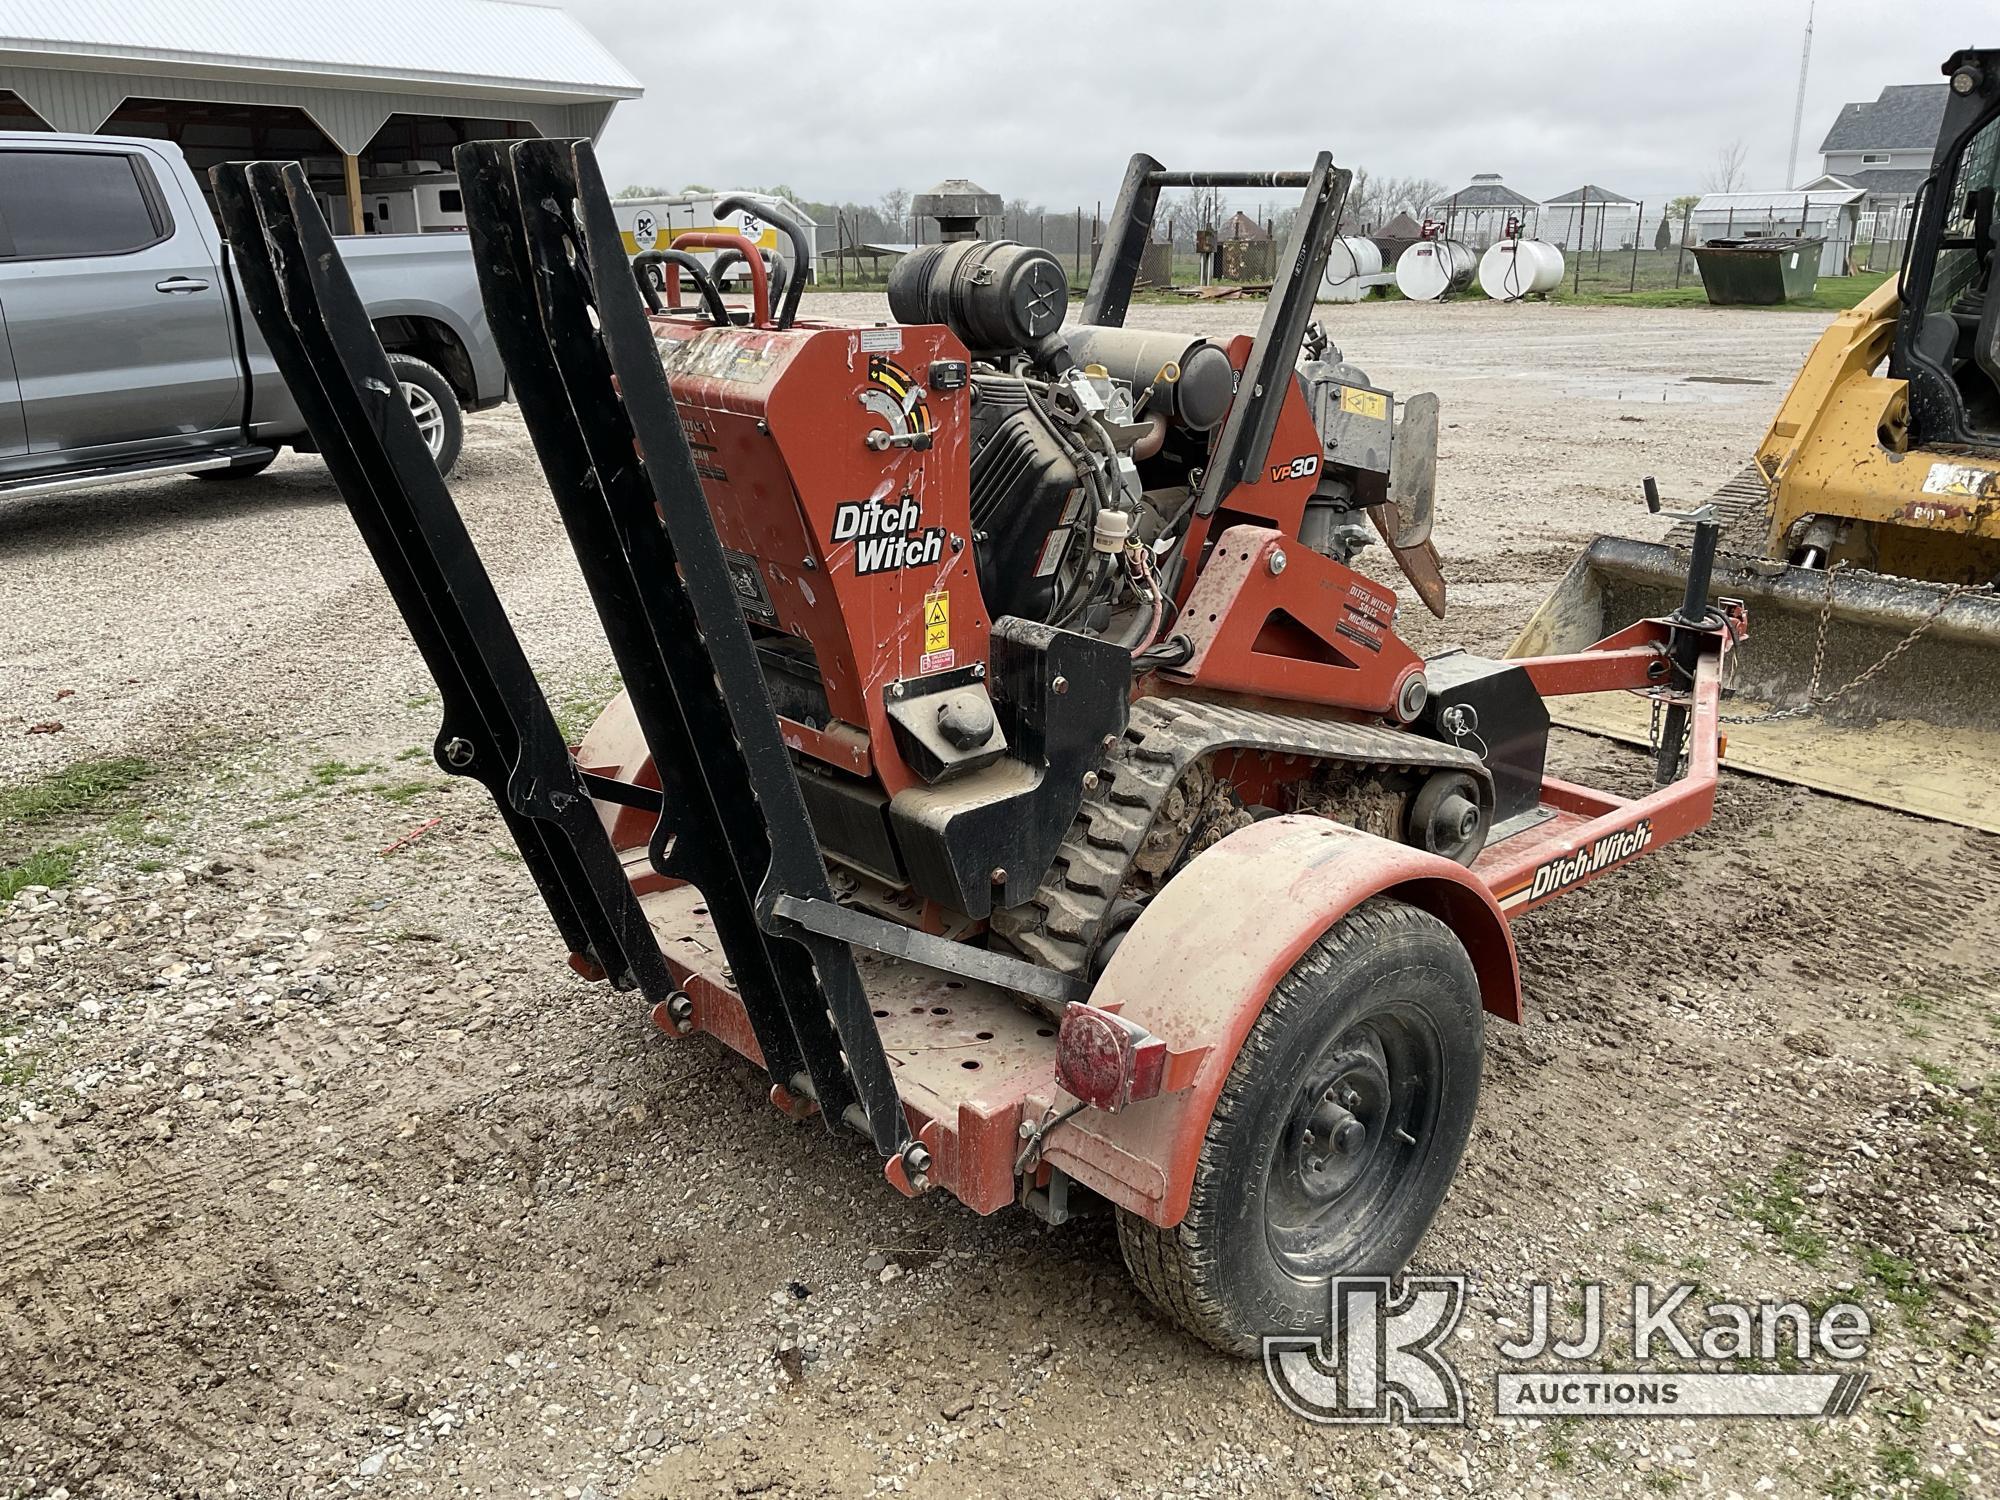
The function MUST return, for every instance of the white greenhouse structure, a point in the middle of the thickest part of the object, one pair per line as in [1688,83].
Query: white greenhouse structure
[1831,215]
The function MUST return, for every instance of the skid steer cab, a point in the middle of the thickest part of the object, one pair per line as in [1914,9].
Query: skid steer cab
[1013,759]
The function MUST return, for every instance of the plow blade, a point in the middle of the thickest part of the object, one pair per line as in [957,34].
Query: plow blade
[1921,734]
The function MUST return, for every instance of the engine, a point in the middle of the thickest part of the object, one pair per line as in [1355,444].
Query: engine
[1088,443]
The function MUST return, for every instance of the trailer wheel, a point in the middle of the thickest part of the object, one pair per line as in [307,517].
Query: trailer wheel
[1335,1136]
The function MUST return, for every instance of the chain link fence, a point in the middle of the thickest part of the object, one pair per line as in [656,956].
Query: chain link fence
[1610,245]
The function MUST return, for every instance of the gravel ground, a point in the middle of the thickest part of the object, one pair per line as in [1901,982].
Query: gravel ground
[319,1173]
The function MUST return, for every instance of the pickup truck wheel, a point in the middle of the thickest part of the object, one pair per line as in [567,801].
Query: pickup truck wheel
[1335,1136]
[435,406]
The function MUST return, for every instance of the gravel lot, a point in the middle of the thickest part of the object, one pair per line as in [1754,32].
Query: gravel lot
[319,1172]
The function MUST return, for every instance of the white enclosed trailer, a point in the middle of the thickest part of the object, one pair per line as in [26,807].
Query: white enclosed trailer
[653,224]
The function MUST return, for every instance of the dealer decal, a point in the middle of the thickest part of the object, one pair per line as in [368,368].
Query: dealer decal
[887,537]
[1571,869]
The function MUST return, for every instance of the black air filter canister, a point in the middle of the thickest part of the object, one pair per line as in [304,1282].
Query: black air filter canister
[997,296]
[1199,399]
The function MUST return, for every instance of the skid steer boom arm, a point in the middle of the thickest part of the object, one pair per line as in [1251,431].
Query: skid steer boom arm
[731,820]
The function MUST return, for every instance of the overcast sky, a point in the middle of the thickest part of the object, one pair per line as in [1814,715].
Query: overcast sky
[1046,101]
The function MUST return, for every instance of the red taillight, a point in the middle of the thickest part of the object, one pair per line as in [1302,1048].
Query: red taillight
[1107,1061]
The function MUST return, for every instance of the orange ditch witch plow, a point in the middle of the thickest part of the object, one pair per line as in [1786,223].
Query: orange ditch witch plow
[1012,758]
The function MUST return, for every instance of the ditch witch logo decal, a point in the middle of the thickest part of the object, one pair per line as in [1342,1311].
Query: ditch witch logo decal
[1559,874]
[887,537]
[1385,1357]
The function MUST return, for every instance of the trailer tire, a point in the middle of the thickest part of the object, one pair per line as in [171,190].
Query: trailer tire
[1381,1014]
[435,406]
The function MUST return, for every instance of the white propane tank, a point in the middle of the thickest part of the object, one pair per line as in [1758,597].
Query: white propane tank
[1433,269]
[1514,269]
[1350,261]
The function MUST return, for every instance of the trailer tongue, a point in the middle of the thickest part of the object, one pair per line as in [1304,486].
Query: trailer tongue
[1179,883]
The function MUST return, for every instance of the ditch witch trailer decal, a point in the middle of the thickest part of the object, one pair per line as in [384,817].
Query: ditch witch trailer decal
[1560,874]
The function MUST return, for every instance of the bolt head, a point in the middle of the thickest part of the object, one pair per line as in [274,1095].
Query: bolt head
[1060,685]
[1276,562]
[1090,781]
[999,875]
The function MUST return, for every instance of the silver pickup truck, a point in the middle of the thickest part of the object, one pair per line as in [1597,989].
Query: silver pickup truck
[125,350]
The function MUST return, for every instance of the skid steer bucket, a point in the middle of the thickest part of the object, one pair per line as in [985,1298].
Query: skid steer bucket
[581,359]
[1919,733]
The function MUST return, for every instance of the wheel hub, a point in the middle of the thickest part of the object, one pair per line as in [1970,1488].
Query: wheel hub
[1351,1137]
[1339,1123]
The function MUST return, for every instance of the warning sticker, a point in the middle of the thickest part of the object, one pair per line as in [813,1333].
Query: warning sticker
[938,655]
[937,622]
[1364,403]
[882,340]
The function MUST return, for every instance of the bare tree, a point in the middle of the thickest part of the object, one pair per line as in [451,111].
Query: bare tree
[1415,196]
[1725,173]
[640,190]
[895,210]
[1358,211]
[1205,208]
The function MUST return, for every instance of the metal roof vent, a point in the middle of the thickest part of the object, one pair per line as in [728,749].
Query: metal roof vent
[958,206]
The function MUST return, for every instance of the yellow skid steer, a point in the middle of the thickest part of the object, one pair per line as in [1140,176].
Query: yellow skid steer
[1866,535]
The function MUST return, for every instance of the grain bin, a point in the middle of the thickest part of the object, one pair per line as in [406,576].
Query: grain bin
[1353,269]
[1514,269]
[1432,270]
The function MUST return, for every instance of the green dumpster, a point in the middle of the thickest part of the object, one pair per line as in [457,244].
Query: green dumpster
[1758,272]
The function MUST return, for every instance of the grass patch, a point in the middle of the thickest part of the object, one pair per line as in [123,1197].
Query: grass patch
[1897,1462]
[18,1071]
[580,709]
[52,867]
[333,772]
[1561,1456]
[1833,294]
[1778,1207]
[400,792]
[1897,1278]
[86,787]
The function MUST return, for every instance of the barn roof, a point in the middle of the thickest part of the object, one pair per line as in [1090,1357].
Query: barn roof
[447,46]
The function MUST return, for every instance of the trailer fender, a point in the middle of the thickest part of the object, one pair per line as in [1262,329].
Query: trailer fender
[1197,966]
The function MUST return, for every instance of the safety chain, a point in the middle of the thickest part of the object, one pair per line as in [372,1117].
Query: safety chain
[1812,699]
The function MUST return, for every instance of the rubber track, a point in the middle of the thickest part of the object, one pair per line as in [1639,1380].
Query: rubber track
[1058,925]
